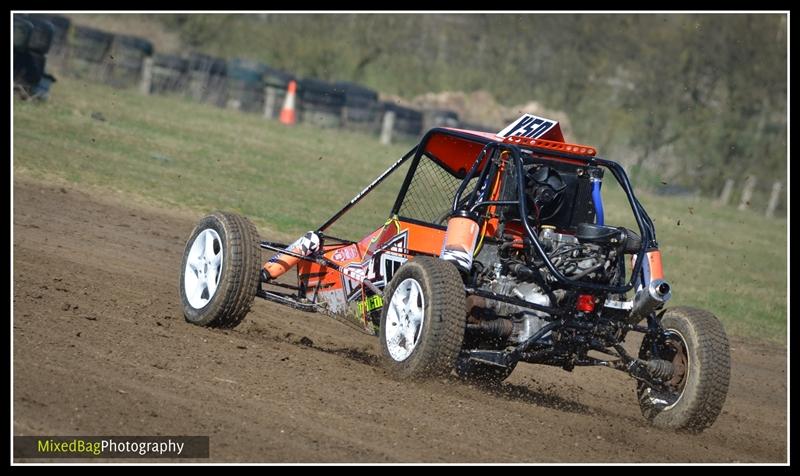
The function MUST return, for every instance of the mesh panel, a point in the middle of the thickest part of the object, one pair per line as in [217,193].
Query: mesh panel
[430,194]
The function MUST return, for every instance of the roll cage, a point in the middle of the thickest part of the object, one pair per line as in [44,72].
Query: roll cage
[467,154]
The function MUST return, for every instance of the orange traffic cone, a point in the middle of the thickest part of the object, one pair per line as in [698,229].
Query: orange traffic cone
[287,113]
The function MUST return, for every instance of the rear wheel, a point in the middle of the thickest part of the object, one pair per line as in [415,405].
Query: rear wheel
[220,271]
[695,343]
[423,319]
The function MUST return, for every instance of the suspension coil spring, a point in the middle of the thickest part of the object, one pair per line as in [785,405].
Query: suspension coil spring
[660,369]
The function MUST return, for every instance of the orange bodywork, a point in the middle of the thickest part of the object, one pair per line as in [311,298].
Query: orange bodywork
[457,154]
[378,255]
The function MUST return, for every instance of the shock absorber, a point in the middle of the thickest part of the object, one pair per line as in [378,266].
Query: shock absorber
[660,369]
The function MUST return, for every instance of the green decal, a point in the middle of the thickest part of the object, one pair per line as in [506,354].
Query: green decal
[372,303]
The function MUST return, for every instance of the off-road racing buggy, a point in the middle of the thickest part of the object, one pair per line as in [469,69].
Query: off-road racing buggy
[495,252]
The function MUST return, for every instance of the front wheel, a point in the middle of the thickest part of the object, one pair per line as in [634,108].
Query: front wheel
[695,342]
[220,271]
[423,319]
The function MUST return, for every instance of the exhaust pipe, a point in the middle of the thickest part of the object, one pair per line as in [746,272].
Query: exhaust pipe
[649,299]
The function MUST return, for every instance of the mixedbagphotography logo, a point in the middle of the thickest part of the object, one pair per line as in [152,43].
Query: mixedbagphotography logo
[111,447]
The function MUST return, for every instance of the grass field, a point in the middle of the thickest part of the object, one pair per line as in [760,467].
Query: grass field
[289,180]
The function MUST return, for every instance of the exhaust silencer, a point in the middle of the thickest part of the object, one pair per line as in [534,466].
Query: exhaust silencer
[649,299]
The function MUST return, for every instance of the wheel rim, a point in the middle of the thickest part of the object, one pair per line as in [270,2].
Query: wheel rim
[671,393]
[404,319]
[203,269]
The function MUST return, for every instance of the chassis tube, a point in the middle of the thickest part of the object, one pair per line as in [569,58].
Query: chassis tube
[367,189]
[517,353]
[512,300]
[642,220]
[487,150]
[323,261]
[286,259]
[482,184]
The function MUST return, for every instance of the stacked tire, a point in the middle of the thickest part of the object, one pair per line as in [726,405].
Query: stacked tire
[32,40]
[61,26]
[88,52]
[169,74]
[319,103]
[246,85]
[207,78]
[361,107]
[22,33]
[439,118]
[407,121]
[126,60]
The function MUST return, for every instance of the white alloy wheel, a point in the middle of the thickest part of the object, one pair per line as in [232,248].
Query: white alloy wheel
[405,319]
[422,319]
[203,268]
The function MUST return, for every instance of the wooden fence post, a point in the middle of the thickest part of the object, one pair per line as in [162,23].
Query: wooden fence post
[773,199]
[269,102]
[747,192]
[725,196]
[388,127]
[147,76]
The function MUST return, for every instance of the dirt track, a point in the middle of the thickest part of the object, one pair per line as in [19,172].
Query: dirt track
[101,347]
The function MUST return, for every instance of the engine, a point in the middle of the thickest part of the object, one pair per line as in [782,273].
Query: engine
[560,206]
[594,253]
[591,254]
